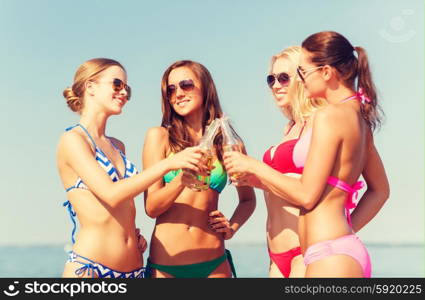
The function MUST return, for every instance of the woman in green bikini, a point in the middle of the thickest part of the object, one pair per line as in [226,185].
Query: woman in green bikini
[189,234]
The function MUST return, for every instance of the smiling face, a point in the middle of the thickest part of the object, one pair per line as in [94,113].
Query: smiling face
[279,90]
[185,91]
[104,92]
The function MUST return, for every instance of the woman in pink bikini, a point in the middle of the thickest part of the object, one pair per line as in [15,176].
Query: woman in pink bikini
[282,217]
[333,153]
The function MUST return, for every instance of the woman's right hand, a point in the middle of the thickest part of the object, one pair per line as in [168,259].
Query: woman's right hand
[189,158]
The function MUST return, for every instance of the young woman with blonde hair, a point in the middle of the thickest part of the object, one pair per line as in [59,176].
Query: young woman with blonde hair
[282,216]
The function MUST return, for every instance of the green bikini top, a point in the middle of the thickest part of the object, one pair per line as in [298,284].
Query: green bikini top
[218,176]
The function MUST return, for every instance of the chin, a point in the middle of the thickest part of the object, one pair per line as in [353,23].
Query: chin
[116,111]
[282,103]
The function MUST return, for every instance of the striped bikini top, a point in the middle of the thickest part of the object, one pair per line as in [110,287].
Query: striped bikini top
[106,164]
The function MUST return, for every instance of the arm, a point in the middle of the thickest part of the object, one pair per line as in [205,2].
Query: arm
[243,211]
[305,191]
[79,156]
[159,198]
[377,192]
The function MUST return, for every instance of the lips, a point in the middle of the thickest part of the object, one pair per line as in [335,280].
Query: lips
[182,102]
[121,101]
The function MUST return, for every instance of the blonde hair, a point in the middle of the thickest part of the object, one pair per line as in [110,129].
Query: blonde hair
[302,107]
[90,69]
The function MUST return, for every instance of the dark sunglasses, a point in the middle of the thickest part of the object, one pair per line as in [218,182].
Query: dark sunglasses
[118,85]
[186,85]
[283,79]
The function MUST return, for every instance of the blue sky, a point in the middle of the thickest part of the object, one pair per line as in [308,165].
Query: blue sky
[43,43]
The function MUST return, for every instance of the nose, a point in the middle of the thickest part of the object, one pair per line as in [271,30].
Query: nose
[123,92]
[276,84]
[179,92]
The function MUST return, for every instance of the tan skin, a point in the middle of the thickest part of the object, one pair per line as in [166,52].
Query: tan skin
[282,216]
[189,227]
[106,211]
[341,146]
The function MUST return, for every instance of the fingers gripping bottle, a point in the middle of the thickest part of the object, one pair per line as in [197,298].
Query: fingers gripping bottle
[231,141]
[201,182]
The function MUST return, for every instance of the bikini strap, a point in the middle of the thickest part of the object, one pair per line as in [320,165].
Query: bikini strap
[85,130]
[232,265]
[72,215]
[302,129]
[353,193]
[90,267]
[290,128]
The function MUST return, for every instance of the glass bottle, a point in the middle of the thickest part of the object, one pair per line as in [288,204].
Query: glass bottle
[231,142]
[200,182]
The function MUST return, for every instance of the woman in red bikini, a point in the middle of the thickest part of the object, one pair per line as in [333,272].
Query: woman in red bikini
[333,153]
[282,217]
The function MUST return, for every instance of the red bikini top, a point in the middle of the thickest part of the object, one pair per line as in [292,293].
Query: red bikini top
[282,159]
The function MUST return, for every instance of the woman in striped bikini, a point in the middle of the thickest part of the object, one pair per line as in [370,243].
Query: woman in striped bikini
[100,181]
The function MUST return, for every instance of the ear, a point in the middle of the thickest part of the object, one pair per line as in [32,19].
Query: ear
[328,72]
[89,87]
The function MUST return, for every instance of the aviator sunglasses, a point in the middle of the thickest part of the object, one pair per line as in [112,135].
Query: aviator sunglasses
[118,85]
[283,78]
[186,85]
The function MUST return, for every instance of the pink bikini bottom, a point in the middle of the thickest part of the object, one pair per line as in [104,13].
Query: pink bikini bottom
[348,245]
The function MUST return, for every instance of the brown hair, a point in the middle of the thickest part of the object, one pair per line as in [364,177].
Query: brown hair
[333,49]
[179,137]
[90,69]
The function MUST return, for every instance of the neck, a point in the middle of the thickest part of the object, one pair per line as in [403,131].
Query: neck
[194,125]
[335,96]
[95,123]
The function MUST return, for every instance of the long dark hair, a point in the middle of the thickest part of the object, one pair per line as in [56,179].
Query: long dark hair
[333,49]
[179,137]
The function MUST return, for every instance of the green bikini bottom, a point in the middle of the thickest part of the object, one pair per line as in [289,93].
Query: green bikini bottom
[198,270]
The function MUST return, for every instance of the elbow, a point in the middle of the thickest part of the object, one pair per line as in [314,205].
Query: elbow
[308,202]
[385,194]
[151,212]
[112,200]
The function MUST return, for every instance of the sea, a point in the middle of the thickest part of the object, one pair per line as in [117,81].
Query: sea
[251,260]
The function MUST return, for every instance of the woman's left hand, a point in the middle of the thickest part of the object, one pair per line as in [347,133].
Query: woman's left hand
[142,244]
[219,223]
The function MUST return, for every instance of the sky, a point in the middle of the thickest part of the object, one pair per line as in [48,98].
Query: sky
[43,43]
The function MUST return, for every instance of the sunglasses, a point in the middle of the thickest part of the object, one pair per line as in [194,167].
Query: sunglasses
[118,85]
[186,85]
[283,78]
[303,73]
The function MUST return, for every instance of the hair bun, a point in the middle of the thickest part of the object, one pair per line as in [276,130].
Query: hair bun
[73,101]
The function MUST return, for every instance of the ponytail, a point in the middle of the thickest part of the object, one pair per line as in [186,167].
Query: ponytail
[371,111]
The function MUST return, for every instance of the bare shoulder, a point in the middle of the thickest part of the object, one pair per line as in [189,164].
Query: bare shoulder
[71,137]
[157,135]
[71,141]
[327,115]
[118,144]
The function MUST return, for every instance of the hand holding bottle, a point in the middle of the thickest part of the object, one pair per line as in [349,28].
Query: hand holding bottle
[189,158]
